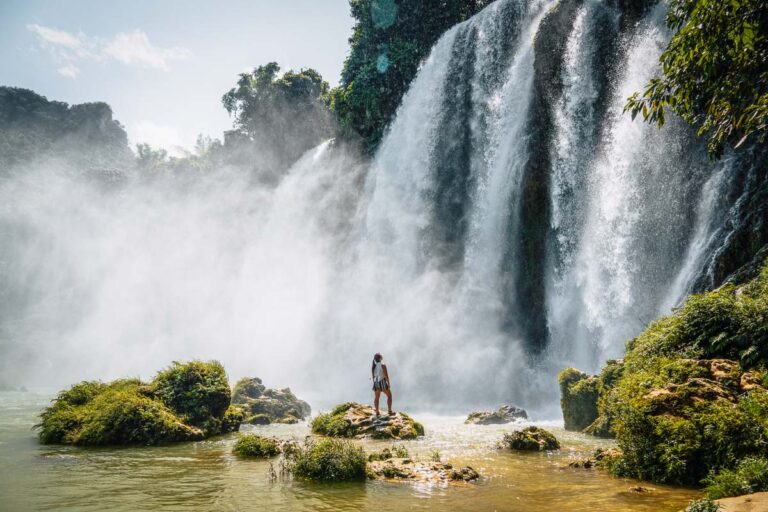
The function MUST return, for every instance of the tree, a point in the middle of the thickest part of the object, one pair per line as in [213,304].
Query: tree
[279,117]
[388,43]
[715,72]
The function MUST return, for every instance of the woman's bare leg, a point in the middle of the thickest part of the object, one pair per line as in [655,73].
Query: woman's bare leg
[376,395]
[389,401]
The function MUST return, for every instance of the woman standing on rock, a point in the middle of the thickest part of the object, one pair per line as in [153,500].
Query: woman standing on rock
[380,383]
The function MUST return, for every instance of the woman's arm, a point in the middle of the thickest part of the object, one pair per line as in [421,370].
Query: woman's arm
[386,374]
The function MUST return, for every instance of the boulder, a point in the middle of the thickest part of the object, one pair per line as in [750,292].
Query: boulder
[578,399]
[530,439]
[420,471]
[505,414]
[263,405]
[355,420]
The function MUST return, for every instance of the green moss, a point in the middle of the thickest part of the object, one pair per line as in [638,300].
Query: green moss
[110,414]
[531,439]
[330,460]
[749,476]
[185,402]
[606,381]
[197,391]
[252,445]
[233,418]
[333,424]
[578,399]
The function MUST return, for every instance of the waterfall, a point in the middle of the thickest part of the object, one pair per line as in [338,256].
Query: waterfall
[446,243]
[514,221]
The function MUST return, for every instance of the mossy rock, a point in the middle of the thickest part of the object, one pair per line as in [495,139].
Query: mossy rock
[264,406]
[578,399]
[252,445]
[185,402]
[531,439]
[353,420]
[121,412]
[329,460]
[505,414]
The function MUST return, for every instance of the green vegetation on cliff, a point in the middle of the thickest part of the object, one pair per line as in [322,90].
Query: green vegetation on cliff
[184,402]
[690,401]
[715,71]
[389,41]
[34,128]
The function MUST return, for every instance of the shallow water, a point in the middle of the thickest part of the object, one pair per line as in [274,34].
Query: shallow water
[206,476]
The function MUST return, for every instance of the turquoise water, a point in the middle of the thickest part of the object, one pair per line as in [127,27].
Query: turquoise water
[206,476]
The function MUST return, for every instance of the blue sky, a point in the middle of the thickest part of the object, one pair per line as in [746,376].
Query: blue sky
[163,65]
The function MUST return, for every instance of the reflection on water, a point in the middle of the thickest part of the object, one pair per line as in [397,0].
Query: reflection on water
[205,476]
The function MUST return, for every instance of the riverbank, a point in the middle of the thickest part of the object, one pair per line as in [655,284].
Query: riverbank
[205,475]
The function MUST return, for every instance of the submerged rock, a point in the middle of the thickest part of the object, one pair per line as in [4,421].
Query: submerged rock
[185,402]
[263,405]
[356,420]
[530,439]
[408,469]
[505,414]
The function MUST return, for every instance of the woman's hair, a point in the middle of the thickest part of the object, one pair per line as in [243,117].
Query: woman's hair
[376,358]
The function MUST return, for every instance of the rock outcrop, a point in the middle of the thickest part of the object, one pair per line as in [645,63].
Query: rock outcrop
[263,405]
[505,414]
[355,420]
[530,439]
[408,469]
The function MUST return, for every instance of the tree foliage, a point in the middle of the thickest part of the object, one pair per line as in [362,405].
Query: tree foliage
[280,117]
[715,71]
[389,40]
[32,127]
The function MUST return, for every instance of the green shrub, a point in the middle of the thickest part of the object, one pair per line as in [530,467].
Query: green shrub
[197,391]
[252,445]
[330,460]
[578,399]
[531,439]
[703,505]
[678,410]
[749,476]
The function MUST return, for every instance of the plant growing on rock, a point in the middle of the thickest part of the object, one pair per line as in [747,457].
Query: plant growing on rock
[252,445]
[329,460]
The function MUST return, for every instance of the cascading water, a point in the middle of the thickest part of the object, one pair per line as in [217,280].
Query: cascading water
[512,223]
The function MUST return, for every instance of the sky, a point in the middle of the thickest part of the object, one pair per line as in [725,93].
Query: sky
[164,65]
